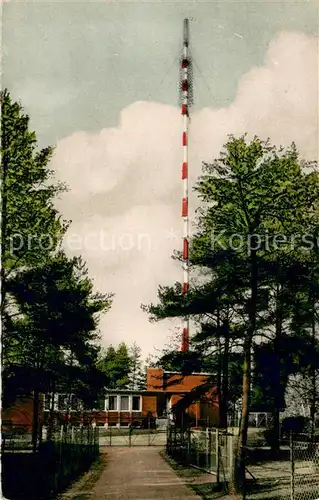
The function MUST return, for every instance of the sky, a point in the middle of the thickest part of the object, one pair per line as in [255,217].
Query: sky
[99,81]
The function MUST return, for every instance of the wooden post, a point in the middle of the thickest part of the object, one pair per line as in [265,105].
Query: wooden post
[149,430]
[230,452]
[292,468]
[217,457]
[207,448]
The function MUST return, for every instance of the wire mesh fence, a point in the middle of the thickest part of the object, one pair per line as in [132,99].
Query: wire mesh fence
[304,477]
[291,475]
[210,450]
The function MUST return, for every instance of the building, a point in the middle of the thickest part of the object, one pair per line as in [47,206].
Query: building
[20,414]
[168,395]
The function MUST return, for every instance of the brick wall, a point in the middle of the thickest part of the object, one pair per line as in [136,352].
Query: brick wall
[21,413]
[154,379]
[149,405]
[179,383]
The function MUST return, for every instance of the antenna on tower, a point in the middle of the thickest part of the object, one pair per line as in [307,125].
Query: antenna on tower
[186,32]
[186,100]
[186,78]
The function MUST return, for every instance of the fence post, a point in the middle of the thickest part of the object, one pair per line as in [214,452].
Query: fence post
[189,437]
[230,452]
[197,450]
[59,471]
[292,470]
[217,456]
[207,448]
[175,440]
[81,438]
[97,438]
[149,431]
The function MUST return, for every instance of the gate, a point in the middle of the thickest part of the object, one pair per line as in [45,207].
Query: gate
[208,449]
[114,436]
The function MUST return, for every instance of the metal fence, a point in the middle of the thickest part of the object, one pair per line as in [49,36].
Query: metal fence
[257,420]
[114,436]
[19,438]
[304,477]
[56,462]
[293,474]
[210,450]
[16,439]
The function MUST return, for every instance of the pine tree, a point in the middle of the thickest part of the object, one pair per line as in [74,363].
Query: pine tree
[252,193]
[137,375]
[49,310]
[54,339]
[116,364]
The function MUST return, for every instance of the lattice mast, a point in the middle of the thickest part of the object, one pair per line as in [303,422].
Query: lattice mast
[186,96]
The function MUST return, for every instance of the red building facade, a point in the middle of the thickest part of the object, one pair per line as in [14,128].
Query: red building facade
[163,399]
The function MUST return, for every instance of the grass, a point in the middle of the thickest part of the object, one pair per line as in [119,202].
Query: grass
[81,488]
[200,482]
[115,431]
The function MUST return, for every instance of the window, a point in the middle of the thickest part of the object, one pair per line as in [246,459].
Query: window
[62,402]
[124,403]
[75,403]
[136,403]
[112,403]
[47,402]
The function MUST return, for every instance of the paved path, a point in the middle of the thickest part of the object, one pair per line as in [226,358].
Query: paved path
[141,474]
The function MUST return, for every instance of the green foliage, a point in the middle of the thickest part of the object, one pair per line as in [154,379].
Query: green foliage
[54,336]
[30,222]
[137,375]
[49,310]
[123,367]
[254,259]
[116,364]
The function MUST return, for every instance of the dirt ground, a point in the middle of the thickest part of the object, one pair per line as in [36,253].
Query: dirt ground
[138,473]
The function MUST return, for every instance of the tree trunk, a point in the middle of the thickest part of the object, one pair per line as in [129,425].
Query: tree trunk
[35,423]
[240,453]
[69,396]
[313,405]
[225,377]
[239,477]
[275,441]
[51,415]
[4,195]
[219,375]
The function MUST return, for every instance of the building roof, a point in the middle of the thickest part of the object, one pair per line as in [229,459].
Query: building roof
[187,374]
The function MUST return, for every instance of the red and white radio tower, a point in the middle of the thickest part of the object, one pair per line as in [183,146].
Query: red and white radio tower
[186,101]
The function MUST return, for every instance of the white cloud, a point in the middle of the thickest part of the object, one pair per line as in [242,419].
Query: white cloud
[139,149]
[277,100]
[126,180]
